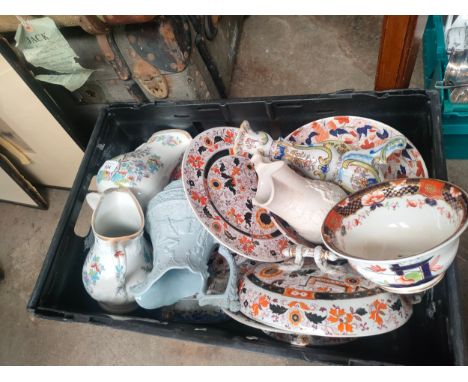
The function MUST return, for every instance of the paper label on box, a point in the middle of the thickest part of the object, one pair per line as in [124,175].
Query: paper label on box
[44,46]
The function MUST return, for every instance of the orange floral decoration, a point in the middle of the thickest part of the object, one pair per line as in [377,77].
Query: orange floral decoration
[295,317]
[196,161]
[411,203]
[455,192]
[367,145]
[235,171]
[431,188]
[342,319]
[322,134]
[222,222]
[247,244]
[334,220]
[198,198]
[331,125]
[298,304]
[229,137]
[263,301]
[255,309]
[373,198]
[376,268]
[238,217]
[342,119]
[376,313]
[217,226]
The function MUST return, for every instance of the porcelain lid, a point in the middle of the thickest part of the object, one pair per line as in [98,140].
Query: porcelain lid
[308,301]
[309,283]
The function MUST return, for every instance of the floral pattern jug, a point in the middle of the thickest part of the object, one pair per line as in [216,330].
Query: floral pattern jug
[120,257]
[146,170]
[331,160]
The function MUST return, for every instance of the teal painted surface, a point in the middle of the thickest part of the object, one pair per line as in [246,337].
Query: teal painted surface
[454,116]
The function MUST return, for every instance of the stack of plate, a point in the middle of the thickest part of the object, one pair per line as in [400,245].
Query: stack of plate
[302,305]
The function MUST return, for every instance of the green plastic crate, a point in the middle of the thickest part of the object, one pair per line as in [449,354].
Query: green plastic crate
[454,116]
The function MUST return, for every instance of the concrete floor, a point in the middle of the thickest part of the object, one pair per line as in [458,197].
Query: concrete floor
[277,56]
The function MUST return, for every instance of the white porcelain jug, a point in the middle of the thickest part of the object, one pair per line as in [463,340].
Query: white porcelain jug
[301,201]
[147,169]
[120,257]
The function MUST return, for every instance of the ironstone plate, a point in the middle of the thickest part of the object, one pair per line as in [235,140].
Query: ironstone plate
[363,133]
[358,133]
[220,188]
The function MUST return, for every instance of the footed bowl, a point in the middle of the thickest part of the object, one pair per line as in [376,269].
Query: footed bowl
[401,234]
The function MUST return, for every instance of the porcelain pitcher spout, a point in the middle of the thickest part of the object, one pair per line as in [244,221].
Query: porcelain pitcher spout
[302,202]
[332,161]
[120,257]
[182,248]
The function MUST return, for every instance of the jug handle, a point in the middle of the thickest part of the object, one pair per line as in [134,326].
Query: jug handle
[320,256]
[93,199]
[229,299]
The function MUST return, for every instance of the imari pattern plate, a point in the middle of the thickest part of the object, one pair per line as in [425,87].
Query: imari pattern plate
[220,188]
[363,133]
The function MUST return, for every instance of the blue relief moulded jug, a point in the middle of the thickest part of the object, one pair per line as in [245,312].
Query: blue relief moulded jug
[182,248]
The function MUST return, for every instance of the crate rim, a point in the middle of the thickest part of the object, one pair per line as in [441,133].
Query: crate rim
[107,112]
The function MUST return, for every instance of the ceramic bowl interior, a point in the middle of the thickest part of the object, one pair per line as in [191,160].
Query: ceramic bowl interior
[396,219]
[118,215]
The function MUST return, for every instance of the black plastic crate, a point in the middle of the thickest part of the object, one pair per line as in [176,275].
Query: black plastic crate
[434,335]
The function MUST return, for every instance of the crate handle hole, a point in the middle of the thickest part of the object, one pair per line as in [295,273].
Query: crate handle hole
[83,223]
[205,108]
[289,106]
[325,111]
